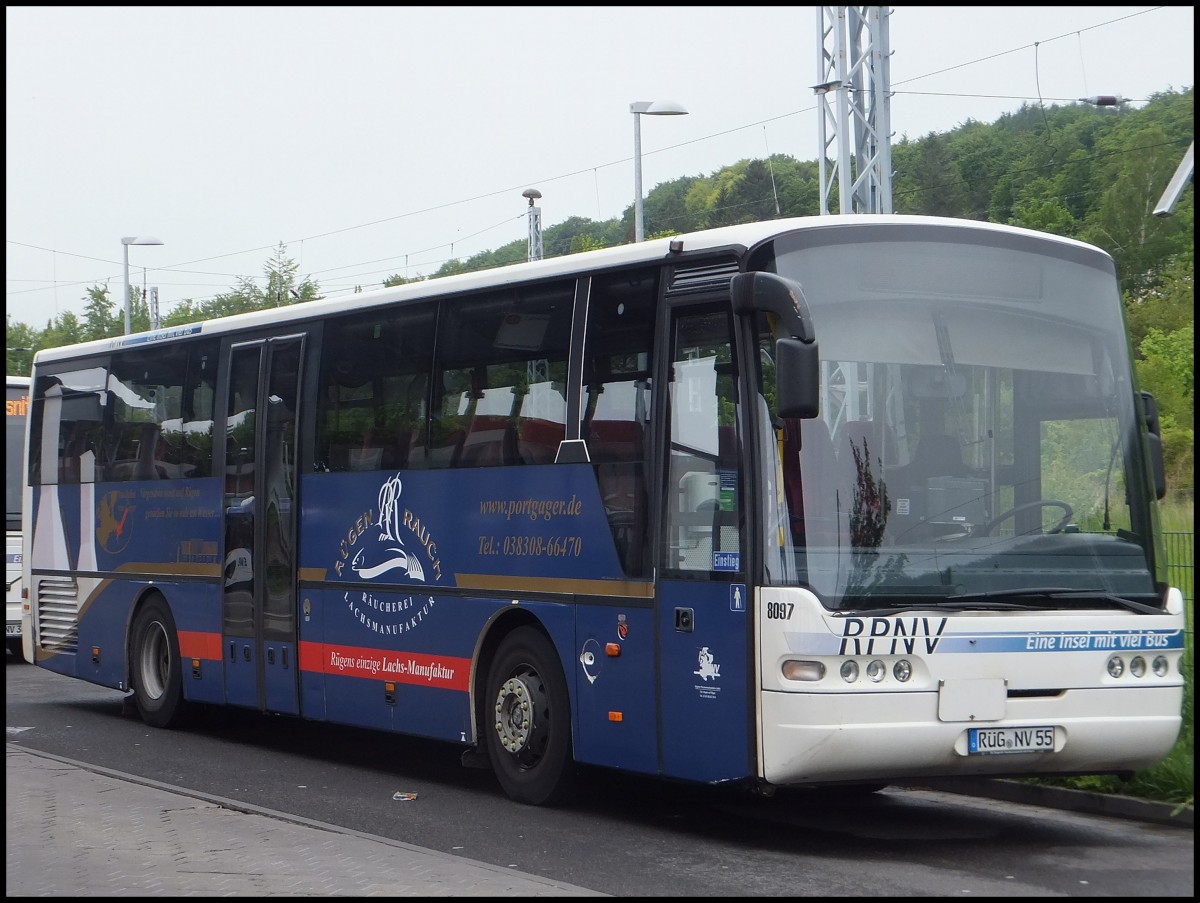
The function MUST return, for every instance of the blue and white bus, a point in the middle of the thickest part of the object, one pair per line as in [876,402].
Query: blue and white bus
[831,500]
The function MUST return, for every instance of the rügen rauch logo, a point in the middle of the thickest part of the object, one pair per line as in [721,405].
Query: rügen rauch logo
[391,541]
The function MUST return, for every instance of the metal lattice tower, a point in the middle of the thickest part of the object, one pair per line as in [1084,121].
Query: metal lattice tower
[854,87]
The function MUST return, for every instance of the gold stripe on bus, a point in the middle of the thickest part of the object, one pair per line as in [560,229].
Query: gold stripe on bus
[312,574]
[179,570]
[170,568]
[496,583]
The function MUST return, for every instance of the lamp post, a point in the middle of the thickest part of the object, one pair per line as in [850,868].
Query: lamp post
[125,243]
[650,108]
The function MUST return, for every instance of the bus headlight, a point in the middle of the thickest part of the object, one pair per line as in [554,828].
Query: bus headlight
[1160,665]
[797,670]
[876,671]
[1137,667]
[849,671]
[902,670]
[1116,667]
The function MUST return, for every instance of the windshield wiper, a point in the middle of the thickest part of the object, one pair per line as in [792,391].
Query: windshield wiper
[1035,598]
[1057,592]
[935,604]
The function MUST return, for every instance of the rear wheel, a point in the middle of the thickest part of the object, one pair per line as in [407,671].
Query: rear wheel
[155,672]
[527,720]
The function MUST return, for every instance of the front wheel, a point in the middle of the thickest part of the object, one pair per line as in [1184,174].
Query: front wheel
[527,720]
[156,675]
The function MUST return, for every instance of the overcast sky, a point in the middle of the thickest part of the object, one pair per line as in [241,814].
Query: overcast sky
[374,141]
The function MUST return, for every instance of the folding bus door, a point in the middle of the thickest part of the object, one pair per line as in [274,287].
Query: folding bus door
[259,608]
[703,604]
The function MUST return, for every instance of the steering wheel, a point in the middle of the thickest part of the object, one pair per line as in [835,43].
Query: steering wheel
[1068,513]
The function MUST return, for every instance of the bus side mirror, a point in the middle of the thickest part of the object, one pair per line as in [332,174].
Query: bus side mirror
[1154,435]
[798,378]
[798,374]
[756,291]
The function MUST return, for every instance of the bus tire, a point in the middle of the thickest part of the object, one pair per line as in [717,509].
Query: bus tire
[156,675]
[527,720]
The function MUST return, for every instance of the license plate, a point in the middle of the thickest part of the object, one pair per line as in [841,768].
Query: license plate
[982,741]
[12,629]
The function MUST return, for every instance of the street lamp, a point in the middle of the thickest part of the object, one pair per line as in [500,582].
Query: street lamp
[650,108]
[125,243]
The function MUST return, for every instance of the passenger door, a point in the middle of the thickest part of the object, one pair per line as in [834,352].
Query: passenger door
[263,400]
[703,600]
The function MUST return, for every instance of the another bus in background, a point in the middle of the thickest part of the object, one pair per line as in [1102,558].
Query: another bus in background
[16,410]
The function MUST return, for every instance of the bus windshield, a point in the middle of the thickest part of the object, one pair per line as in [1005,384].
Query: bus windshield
[978,429]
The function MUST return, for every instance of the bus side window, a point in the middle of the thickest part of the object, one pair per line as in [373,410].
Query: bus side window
[703,514]
[153,432]
[617,396]
[81,437]
[371,409]
[501,366]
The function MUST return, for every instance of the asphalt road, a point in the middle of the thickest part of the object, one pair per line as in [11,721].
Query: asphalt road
[623,836]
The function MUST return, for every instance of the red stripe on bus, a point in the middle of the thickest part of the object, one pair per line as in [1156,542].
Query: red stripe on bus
[194,644]
[418,668]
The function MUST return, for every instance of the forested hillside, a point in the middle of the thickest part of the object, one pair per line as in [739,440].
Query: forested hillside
[1090,173]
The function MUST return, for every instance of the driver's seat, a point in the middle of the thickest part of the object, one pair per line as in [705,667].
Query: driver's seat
[917,491]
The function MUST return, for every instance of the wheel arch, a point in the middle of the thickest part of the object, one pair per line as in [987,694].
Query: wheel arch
[499,626]
[141,599]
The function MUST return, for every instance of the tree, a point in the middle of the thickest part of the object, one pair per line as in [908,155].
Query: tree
[1124,223]
[397,279]
[1167,305]
[1045,215]
[100,321]
[282,287]
[20,342]
[1168,370]
[584,242]
[64,329]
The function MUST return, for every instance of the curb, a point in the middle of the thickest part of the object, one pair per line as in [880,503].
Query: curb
[1176,815]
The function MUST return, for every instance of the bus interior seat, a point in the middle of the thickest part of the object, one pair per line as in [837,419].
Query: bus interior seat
[540,426]
[936,455]
[911,487]
[940,455]
[876,439]
[489,440]
[617,453]
[369,456]
[614,440]
[69,470]
[380,448]
[538,440]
